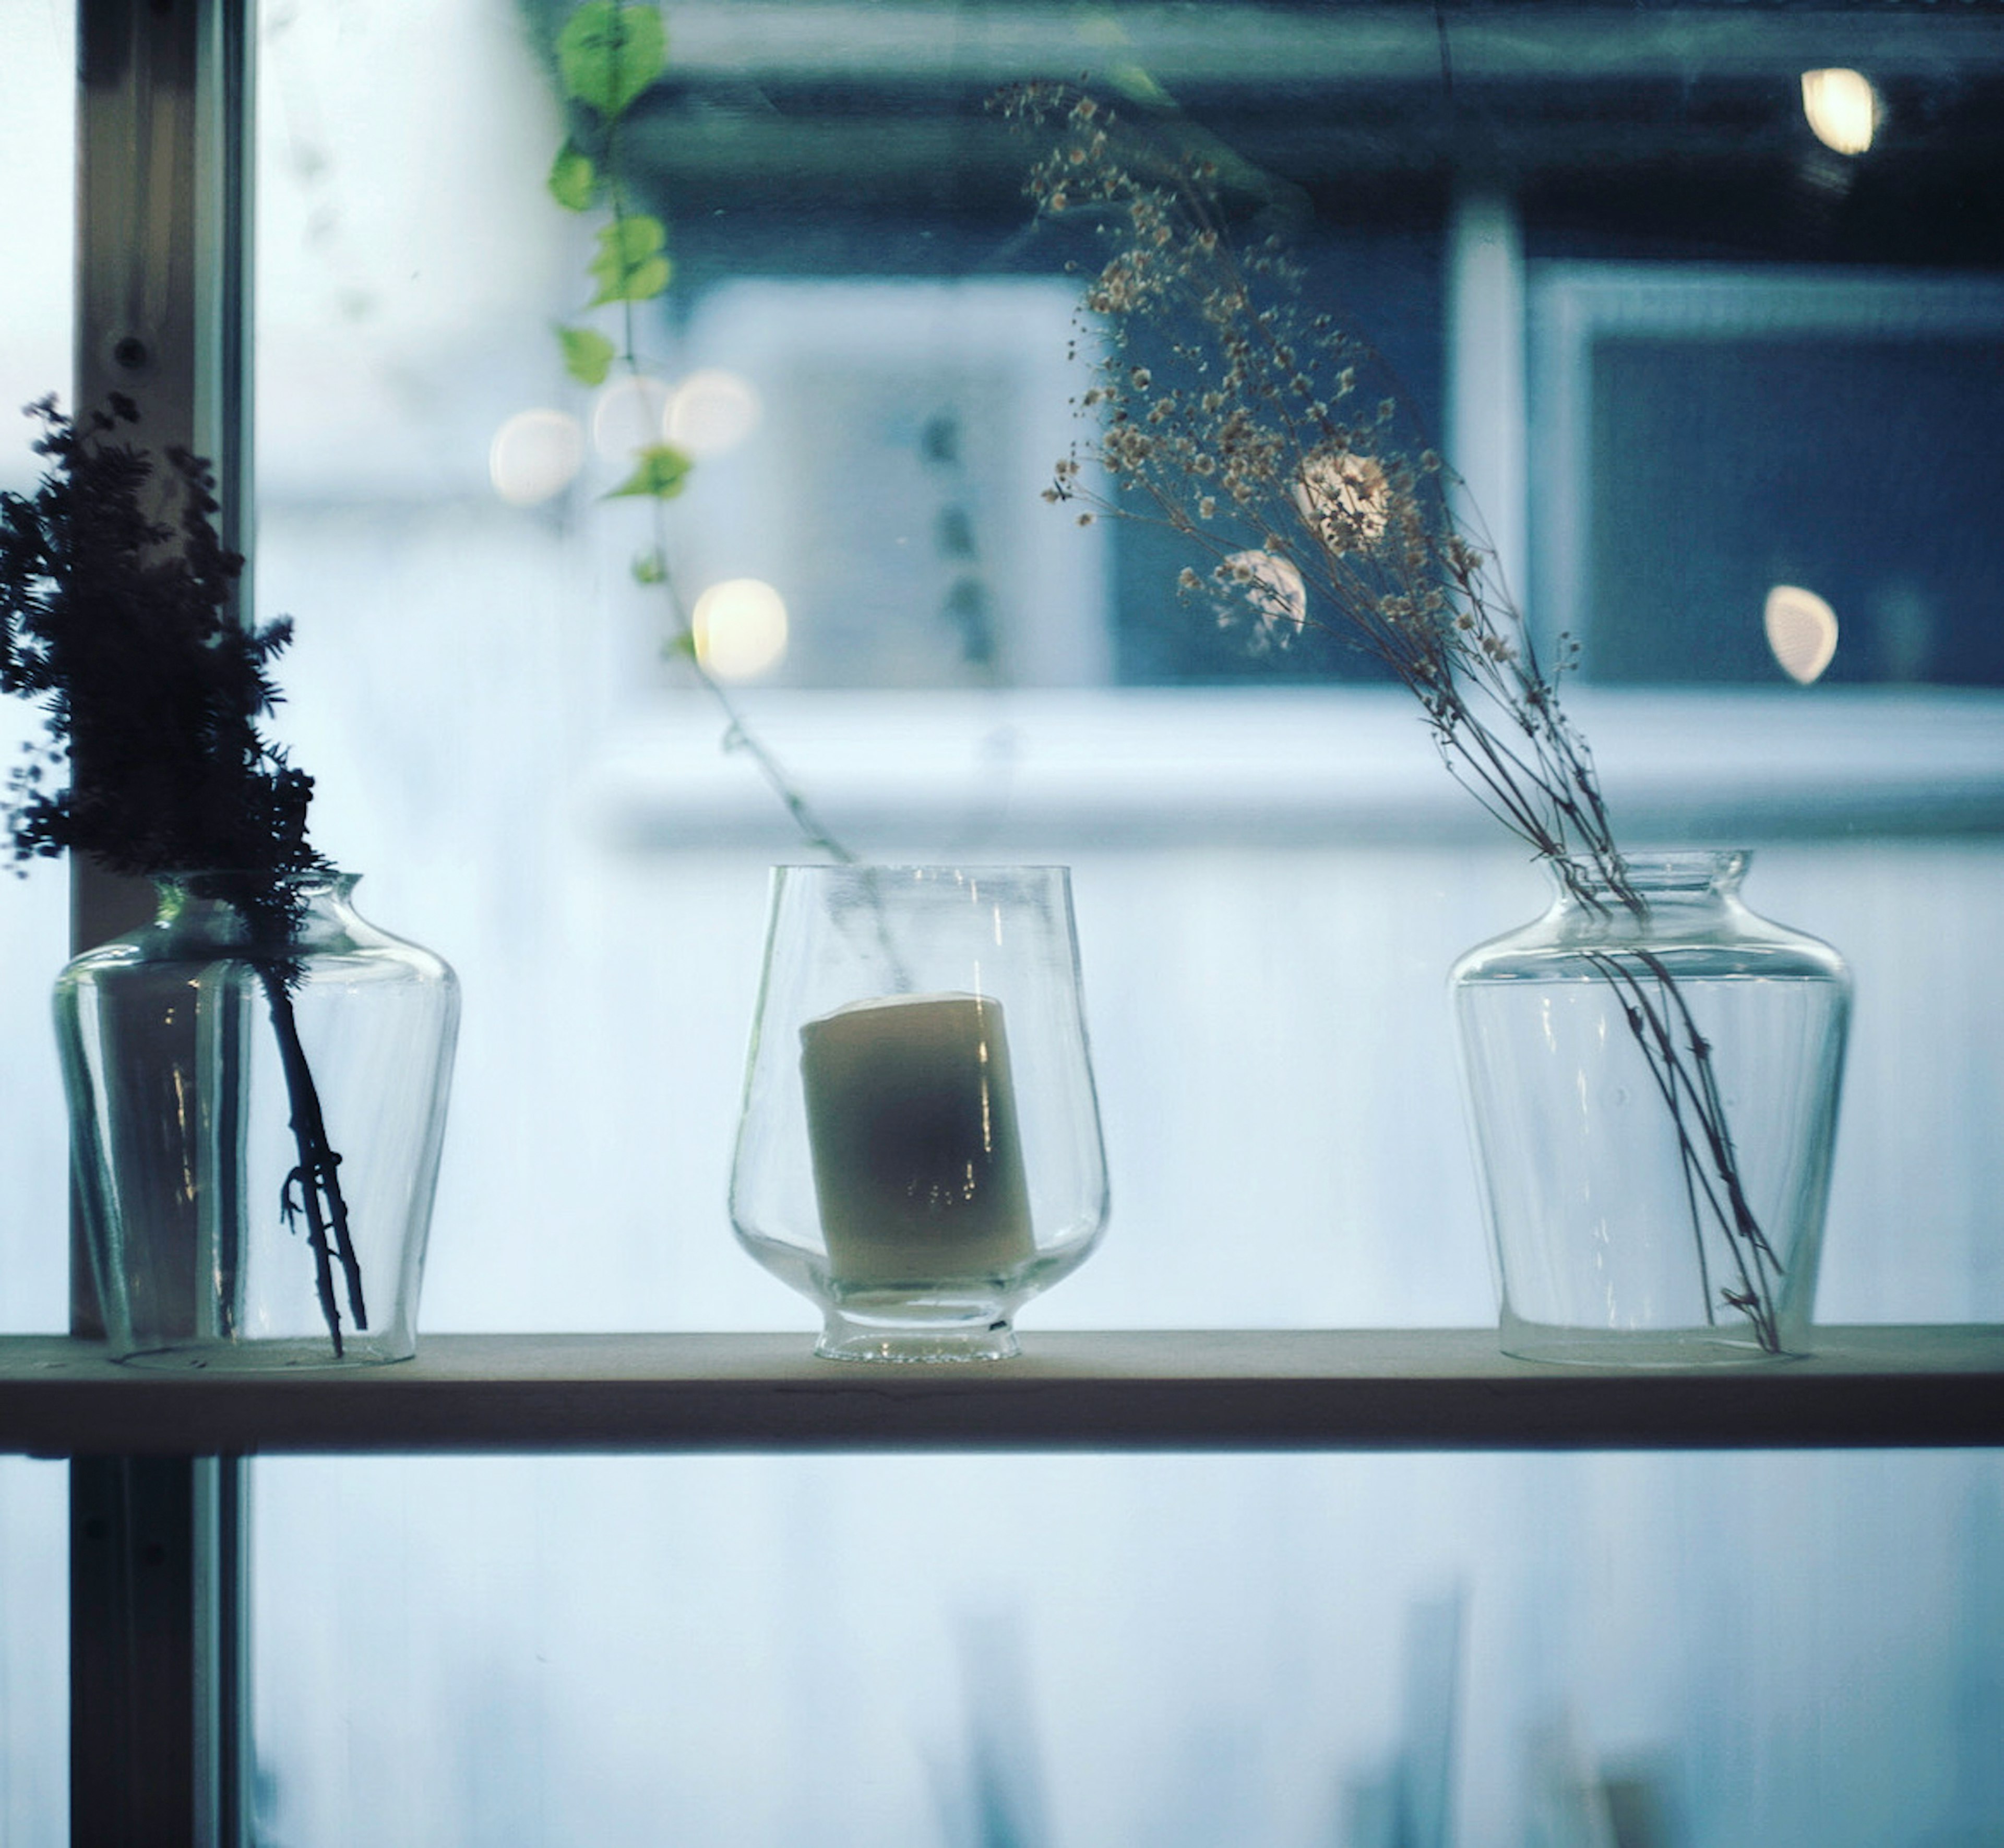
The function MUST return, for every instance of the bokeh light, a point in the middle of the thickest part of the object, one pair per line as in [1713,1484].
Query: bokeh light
[535,454]
[1802,630]
[1272,589]
[1842,108]
[713,410]
[741,628]
[627,415]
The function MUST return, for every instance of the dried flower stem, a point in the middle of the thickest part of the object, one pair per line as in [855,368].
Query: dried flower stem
[313,1189]
[1267,438]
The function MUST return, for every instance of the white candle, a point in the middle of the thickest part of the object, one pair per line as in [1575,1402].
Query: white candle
[911,1121]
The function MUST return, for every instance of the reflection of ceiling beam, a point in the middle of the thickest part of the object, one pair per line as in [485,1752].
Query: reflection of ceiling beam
[826,40]
[823,158]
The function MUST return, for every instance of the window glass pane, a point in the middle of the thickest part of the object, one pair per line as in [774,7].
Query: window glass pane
[34,1654]
[1272,879]
[37,146]
[1824,429]
[866,340]
[38,150]
[1724,1650]
[1800,510]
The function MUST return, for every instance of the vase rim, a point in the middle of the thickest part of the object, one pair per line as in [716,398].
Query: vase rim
[181,894]
[933,867]
[1667,869]
[187,878]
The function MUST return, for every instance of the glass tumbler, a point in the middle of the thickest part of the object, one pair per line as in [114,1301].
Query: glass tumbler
[919,1151]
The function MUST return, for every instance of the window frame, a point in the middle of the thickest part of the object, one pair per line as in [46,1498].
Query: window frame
[1574,305]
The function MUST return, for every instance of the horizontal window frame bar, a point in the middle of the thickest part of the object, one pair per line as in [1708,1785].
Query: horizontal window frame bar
[770,40]
[1040,770]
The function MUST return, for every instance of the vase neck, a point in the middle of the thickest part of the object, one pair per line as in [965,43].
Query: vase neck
[235,908]
[1650,885]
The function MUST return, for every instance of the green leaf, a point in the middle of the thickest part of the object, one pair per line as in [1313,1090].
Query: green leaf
[609,53]
[650,568]
[573,180]
[682,643]
[630,266]
[660,470]
[588,355]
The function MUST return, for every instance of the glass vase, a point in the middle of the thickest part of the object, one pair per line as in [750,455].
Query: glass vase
[256,1118]
[1652,1079]
[918,1152]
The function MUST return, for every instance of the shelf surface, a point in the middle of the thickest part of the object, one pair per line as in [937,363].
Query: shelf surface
[1377,1389]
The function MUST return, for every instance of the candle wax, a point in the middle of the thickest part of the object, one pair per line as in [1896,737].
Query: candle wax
[912,1123]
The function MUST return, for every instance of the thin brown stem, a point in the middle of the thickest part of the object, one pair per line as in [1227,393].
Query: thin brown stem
[313,1190]
[1682,1091]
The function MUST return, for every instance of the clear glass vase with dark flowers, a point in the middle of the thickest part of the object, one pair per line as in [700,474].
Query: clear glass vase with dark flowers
[258,1079]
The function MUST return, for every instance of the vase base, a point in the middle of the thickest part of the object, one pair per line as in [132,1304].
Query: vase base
[1643,1347]
[265,1356]
[921,1330]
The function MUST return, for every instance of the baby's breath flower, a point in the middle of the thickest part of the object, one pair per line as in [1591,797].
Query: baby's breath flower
[1235,412]
[1346,499]
[1267,590]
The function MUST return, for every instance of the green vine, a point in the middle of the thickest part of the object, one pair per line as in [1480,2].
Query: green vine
[608,55]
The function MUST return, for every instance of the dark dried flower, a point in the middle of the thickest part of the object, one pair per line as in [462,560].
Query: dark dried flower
[115,620]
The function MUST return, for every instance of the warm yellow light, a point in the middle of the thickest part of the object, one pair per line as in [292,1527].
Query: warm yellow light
[1346,497]
[713,410]
[533,455]
[741,628]
[1272,589]
[1842,107]
[1802,630]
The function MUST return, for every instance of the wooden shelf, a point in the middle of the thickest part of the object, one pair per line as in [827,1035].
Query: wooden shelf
[1437,1389]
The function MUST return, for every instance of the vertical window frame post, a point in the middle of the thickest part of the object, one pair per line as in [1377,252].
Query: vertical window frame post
[159,1727]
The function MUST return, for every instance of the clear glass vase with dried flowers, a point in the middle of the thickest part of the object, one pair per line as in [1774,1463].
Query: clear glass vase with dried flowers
[256,1079]
[1225,409]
